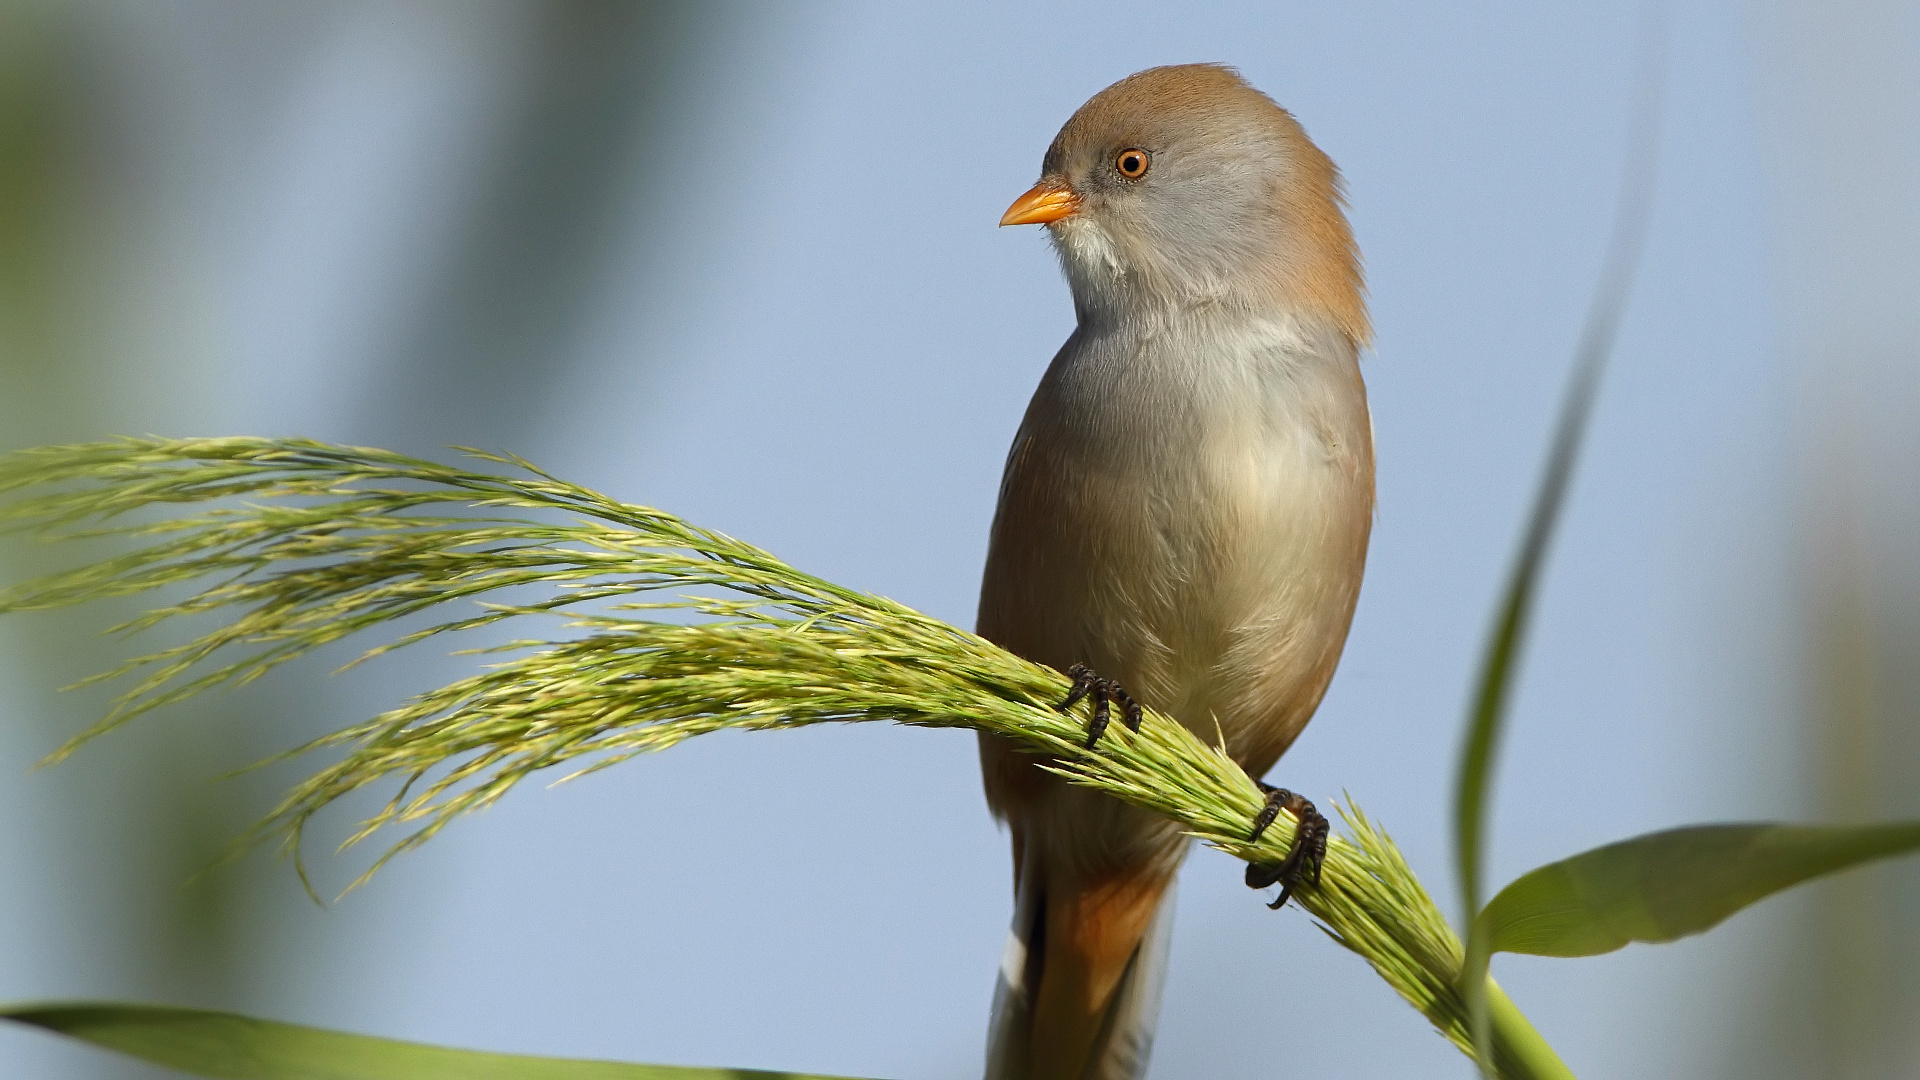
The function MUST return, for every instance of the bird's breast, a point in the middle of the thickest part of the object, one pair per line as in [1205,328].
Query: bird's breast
[1187,510]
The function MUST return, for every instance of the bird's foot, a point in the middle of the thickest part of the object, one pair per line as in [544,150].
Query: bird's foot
[1309,844]
[1104,693]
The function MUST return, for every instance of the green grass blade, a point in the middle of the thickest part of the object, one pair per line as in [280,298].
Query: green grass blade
[1667,885]
[1487,711]
[233,1047]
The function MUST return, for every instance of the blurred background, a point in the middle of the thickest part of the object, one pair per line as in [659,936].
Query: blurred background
[740,262]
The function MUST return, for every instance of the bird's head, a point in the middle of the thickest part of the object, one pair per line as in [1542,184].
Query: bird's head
[1182,187]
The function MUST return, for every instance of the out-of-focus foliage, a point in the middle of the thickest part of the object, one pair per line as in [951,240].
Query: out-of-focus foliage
[1837,88]
[232,1047]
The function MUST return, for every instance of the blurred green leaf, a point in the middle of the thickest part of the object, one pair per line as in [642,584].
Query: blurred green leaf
[232,1047]
[1486,714]
[1667,885]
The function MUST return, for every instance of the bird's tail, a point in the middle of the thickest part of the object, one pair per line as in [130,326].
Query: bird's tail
[1079,988]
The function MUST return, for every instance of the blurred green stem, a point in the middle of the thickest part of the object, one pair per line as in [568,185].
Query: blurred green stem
[1521,1050]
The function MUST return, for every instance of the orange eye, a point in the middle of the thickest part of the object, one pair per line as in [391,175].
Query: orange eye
[1132,163]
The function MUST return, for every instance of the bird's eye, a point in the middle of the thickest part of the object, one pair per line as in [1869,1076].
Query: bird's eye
[1132,163]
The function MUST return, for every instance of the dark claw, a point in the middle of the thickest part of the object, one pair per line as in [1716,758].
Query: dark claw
[1104,693]
[1083,681]
[1309,844]
[1098,725]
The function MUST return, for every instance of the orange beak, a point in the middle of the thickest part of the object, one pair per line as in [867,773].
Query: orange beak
[1048,200]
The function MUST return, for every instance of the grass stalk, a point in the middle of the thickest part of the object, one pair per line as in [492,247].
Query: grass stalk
[297,544]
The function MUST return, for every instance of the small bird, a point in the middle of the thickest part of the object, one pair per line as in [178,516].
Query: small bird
[1182,522]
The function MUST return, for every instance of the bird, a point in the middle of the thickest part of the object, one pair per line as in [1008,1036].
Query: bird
[1182,521]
